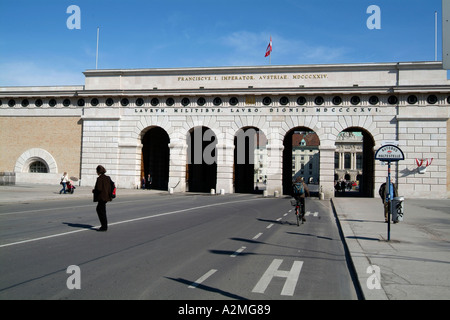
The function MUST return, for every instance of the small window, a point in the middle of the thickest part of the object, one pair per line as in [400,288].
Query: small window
[38,167]
[432,99]
[373,100]
[217,101]
[185,102]
[392,100]
[301,101]
[124,102]
[80,102]
[284,101]
[234,101]
[337,100]
[170,102]
[267,101]
[66,102]
[201,101]
[154,102]
[139,102]
[319,100]
[109,102]
[94,102]
[412,99]
[355,100]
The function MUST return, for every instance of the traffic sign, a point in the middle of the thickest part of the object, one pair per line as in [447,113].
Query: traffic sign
[389,153]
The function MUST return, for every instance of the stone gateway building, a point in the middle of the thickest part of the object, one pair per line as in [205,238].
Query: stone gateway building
[195,129]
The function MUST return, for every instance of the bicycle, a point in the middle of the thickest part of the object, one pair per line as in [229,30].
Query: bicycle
[297,204]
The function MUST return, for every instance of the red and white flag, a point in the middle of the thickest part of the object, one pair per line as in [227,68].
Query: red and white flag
[269,48]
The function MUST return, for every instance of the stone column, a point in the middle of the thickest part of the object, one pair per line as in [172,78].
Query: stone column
[177,166]
[275,169]
[225,161]
[327,170]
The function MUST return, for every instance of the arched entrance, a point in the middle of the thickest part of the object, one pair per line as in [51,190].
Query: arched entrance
[301,157]
[354,163]
[250,161]
[201,173]
[155,158]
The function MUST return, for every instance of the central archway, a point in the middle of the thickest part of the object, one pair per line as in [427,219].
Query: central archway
[301,158]
[201,173]
[250,161]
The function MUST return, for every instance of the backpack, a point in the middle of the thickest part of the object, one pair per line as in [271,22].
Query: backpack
[298,189]
[113,189]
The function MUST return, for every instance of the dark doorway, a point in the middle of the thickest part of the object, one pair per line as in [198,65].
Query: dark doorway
[201,173]
[155,157]
[301,158]
[354,163]
[250,161]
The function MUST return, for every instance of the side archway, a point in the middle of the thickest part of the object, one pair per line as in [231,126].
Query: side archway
[155,158]
[31,156]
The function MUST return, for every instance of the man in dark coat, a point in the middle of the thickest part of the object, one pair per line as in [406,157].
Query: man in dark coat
[383,192]
[102,194]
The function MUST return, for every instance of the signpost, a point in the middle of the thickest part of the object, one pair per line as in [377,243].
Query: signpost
[389,153]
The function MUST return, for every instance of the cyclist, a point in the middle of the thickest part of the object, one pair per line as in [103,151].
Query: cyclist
[299,192]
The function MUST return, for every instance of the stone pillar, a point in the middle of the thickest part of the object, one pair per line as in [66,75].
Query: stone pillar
[177,166]
[275,169]
[225,162]
[129,168]
[327,170]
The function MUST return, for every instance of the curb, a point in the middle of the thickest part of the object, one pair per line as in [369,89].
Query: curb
[357,260]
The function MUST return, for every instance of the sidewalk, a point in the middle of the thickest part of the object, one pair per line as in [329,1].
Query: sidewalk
[415,263]
[36,192]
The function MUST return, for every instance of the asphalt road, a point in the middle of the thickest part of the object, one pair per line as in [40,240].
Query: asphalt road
[172,247]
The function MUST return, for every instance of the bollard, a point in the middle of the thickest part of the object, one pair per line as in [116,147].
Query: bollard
[222,192]
[265,193]
[170,190]
[213,191]
[276,194]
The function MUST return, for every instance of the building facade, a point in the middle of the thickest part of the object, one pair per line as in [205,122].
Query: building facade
[182,126]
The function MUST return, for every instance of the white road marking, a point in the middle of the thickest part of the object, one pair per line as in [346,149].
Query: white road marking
[257,236]
[202,278]
[270,226]
[238,251]
[291,277]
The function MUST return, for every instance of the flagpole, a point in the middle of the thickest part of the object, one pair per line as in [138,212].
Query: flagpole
[435,35]
[96,55]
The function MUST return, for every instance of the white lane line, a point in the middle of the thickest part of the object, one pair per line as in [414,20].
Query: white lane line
[128,221]
[202,278]
[270,226]
[284,215]
[238,251]
[257,236]
[279,219]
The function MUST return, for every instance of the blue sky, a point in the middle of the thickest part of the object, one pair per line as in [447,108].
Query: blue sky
[37,48]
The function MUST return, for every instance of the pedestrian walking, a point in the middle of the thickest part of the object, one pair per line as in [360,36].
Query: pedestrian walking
[64,180]
[102,195]
[384,192]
